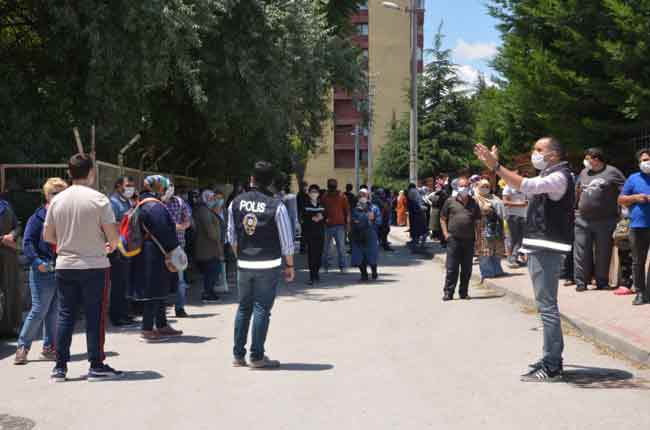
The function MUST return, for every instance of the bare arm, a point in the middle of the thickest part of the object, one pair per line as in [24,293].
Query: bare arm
[507,201]
[443,226]
[628,201]
[491,159]
[112,236]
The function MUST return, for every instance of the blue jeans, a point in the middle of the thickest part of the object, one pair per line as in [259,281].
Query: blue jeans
[181,291]
[44,311]
[210,271]
[544,268]
[490,267]
[336,232]
[257,291]
[87,287]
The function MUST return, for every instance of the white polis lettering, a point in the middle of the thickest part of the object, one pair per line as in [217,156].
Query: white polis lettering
[255,207]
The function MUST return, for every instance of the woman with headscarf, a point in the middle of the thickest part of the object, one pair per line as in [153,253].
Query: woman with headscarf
[151,274]
[313,222]
[366,219]
[42,282]
[402,203]
[490,246]
[208,242]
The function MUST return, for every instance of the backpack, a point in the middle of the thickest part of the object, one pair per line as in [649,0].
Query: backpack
[131,231]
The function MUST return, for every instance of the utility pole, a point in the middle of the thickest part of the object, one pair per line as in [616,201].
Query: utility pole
[357,132]
[370,126]
[413,130]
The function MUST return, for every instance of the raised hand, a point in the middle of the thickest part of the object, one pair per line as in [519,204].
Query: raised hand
[485,156]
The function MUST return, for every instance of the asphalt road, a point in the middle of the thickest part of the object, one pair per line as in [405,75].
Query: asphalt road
[388,355]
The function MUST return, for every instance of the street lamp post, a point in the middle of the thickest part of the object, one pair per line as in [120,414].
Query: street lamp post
[413,129]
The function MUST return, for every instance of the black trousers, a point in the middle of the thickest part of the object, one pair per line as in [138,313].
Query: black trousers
[640,241]
[154,310]
[120,275]
[315,243]
[460,253]
[384,230]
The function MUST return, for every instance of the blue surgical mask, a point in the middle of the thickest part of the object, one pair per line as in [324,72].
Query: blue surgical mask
[211,204]
[218,203]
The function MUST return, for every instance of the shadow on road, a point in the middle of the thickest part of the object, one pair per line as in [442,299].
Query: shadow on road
[601,378]
[305,367]
[189,339]
[7,349]
[8,422]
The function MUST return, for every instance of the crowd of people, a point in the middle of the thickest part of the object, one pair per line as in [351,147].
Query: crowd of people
[75,246]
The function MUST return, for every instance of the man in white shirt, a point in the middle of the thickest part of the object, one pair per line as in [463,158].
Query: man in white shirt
[548,238]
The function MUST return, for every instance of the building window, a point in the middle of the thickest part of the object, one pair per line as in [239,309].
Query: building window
[343,159]
[362,29]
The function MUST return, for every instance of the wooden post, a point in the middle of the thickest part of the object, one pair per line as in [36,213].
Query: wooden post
[77,138]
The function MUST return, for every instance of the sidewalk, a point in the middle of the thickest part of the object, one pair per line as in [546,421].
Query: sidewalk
[599,315]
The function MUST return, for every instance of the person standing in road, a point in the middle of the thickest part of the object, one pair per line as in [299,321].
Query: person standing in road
[42,282]
[313,221]
[259,230]
[81,223]
[337,213]
[208,243]
[121,203]
[458,218]
[597,191]
[636,197]
[548,237]
[180,212]
[366,219]
[516,204]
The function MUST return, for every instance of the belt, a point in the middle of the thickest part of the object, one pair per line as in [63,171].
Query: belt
[262,264]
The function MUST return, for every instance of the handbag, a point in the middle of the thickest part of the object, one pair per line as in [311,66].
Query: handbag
[621,234]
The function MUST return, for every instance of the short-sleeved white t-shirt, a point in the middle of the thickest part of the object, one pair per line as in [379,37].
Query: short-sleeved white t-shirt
[77,215]
[515,196]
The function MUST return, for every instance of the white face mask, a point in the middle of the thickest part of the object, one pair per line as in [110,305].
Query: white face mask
[645,167]
[463,191]
[587,165]
[363,200]
[537,158]
[128,192]
[313,196]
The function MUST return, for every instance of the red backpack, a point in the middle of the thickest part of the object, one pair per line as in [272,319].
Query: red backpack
[131,232]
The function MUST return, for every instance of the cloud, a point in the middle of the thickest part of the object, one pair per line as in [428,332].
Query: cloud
[469,75]
[474,51]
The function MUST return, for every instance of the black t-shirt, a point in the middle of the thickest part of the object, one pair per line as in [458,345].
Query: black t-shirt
[599,193]
[461,218]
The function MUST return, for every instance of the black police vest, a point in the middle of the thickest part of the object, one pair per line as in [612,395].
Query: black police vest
[258,240]
[549,223]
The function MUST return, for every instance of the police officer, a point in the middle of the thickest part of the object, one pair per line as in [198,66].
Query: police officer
[260,232]
[548,238]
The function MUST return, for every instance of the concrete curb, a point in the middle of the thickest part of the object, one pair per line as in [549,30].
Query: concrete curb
[589,331]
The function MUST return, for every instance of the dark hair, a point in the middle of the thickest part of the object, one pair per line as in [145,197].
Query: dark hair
[280,181]
[332,181]
[596,153]
[554,145]
[313,187]
[348,187]
[642,151]
[411,186]
[80,166]
[122,179]
[263,173]
[218,192]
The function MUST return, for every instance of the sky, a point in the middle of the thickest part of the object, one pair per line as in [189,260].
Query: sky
[469,31]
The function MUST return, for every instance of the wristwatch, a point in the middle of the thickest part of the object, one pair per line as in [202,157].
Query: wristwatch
[288,267]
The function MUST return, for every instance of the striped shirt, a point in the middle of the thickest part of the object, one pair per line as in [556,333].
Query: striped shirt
[283,223]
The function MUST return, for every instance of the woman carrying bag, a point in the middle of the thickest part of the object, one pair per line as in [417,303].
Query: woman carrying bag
[366,218]
[490,245]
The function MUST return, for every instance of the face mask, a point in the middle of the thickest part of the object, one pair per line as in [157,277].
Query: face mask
[538,160]
[313,196]
[484,191]
[128,192]
[645,167]
[211,204]
[463,191]
[363,200]
[218,202]
[587,165]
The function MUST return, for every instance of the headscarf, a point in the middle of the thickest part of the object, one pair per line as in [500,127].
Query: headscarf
[156,184]
[484,202]
[207,195]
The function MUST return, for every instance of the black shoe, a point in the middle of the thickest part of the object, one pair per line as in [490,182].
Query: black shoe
[180,313]
[58,374]
[103,372]
[209,298]
[639,300]
[543,374]
[447,296]
[375,275]
[581,288]
[540,363]
[464,297]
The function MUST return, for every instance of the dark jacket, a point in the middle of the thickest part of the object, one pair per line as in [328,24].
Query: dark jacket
[150,278]
[208,234]
[36,250]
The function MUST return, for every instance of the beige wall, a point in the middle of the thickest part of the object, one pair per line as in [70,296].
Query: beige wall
[388,50]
